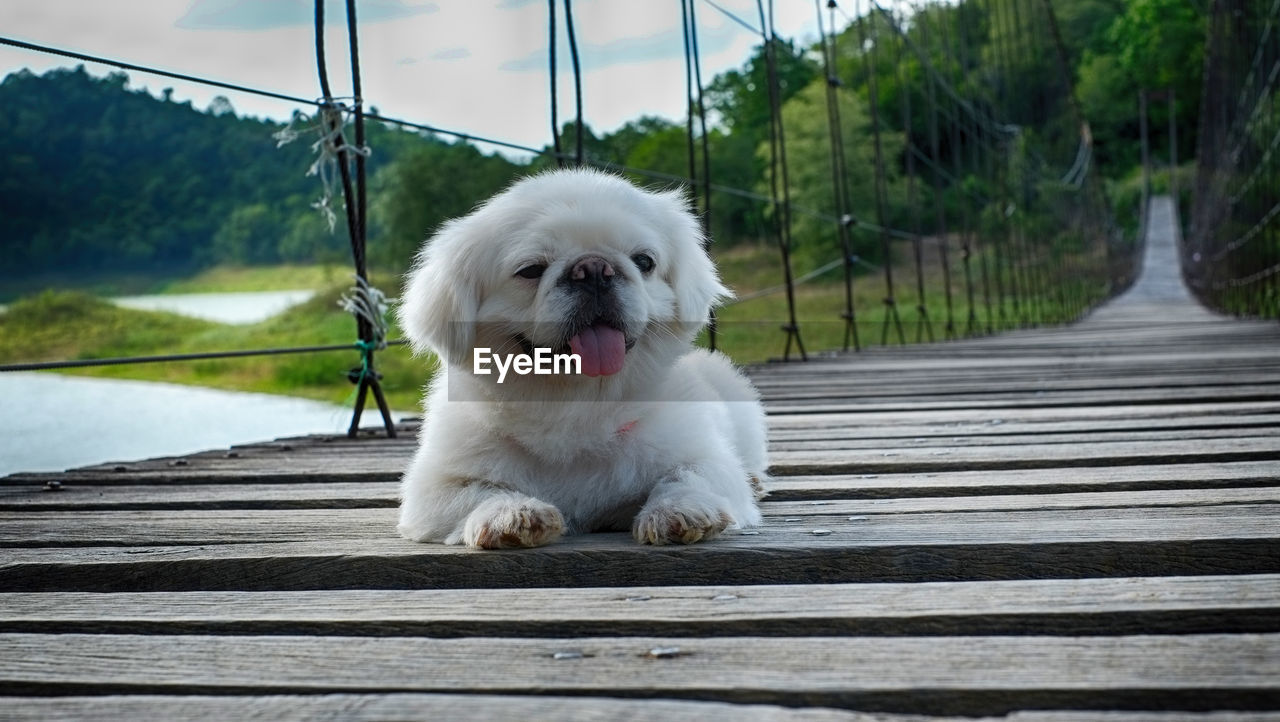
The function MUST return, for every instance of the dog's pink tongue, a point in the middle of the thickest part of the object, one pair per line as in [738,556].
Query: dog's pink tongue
[601,348]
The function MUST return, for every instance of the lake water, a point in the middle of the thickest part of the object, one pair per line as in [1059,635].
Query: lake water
[54,422]
[239,307]
[247,307]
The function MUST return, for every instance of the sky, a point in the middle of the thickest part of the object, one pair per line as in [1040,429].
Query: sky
[474,66]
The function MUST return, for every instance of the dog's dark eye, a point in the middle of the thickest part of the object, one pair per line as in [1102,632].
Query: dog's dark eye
[643,261]
[533,270]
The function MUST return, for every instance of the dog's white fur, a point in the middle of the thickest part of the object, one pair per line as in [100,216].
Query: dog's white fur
[672,446]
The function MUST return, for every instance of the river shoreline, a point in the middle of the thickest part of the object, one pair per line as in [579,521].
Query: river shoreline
[61,422]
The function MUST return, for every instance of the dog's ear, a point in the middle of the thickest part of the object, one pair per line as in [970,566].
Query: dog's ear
[698,287]
[692,274]
[441,297]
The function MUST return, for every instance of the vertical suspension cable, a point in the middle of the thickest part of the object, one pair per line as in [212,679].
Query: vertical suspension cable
[578,156]
[551,53]
[913,201]
[939,204]
[979,163]
[870,62]
[368,379]
[355,203]
[1026,252]
[1040,288]
[839,172]
[1091,194]
[1016,209]
[705,146]
[963,123]
[1001,165]
[778,164]
[688,97]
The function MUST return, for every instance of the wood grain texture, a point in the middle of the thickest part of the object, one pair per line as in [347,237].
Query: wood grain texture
[1026,481]
[907,547]
[1053,488]
[1237,514]
[486,708]
[1203,604]
[1097,453]
[964,675]
[450,707]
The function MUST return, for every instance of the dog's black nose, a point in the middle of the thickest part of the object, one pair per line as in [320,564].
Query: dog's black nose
[591,272]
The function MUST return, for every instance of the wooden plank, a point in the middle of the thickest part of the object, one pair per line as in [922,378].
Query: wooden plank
[299,470]
[923,369]
[377,463]
[1025,481]
[951,357]
[71,496]
[852,442]
[1032,415]
[1028,381]
[1026,502]
[957,675]
[385,495]
[173,551]
[803,387]
[333,495]
[452,707]
[1003,400]
[380,460]
[1142,605]
[993,456]
[486,708]
[786,462]
[988,429]
[1019,519]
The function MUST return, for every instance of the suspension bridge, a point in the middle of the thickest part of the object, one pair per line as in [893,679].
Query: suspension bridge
[1016,518]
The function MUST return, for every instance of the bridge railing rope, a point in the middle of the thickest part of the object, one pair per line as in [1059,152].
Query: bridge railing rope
[1231,255]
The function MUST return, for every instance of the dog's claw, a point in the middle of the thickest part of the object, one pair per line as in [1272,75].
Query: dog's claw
[516,526]
[672,526]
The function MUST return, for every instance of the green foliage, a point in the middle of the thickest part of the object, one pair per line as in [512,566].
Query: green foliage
[738,103]
[103,178]
[1160,43]
[1152,44]
[428,185]
[739,97]
[808,142]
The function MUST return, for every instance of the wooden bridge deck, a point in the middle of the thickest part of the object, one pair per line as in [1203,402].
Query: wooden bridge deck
[1053,524]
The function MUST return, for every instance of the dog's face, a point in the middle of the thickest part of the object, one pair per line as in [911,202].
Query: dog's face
[572,261]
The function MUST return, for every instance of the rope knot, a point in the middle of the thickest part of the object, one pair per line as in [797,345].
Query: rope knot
[369,304]
[328,123]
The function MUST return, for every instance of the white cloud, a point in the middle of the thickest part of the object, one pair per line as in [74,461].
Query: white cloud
[632,55]
[268,14]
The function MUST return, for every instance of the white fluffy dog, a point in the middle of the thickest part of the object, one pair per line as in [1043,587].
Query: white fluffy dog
[652,434]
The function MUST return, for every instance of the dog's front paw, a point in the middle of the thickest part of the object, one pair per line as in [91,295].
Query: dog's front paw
[507,523]
[678,525]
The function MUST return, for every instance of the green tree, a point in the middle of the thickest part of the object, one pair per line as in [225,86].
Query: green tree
[249,235]
[429,185]
[808,141]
